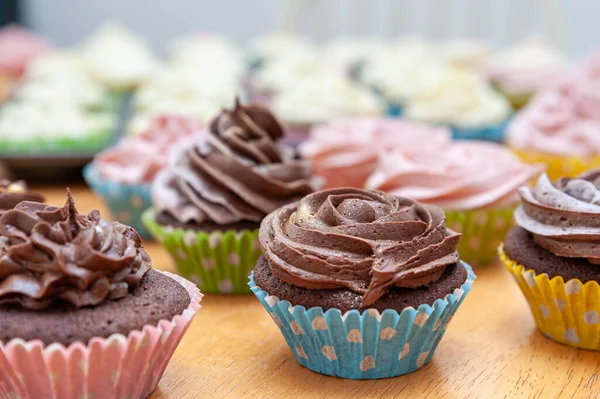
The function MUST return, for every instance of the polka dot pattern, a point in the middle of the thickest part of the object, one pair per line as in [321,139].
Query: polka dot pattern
[404,352]
[319,324]
[544,311]
[387,333]
[422,358]
[367,363]
[354,336]
[590,317]
[226,286]
[329,352]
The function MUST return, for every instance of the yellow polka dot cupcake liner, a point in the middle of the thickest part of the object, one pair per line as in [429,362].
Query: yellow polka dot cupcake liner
[364,344]
[218,262]
[558,166]
[566,312]
[482,231]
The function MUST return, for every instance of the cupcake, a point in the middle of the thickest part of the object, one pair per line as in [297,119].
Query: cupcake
[18,47]
[474,182]
[525,68]
[464,53]
[362,284]
[559,128]
[347,151]
[320,99]
[83,312]
[13,193]
[553,255]
[122,175]
[465,102]
[208,203]
[274,46]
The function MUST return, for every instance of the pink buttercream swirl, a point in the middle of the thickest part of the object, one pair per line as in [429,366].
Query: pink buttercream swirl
[464,175]
[346,152]
[18,46]
[137,159]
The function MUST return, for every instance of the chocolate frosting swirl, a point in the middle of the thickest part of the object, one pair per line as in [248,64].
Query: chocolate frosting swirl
[50,255]
[11,193]
[363,240]
[564,216]
[237,172]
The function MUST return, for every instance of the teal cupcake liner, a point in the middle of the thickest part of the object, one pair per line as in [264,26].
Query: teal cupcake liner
[482,231]
[126,202]
[218,262]
[368,344]
[493,133]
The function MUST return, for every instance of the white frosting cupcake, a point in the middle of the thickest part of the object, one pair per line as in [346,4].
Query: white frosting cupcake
[118,58]
[466,53]
[353,50]
[277,45]
[461,98]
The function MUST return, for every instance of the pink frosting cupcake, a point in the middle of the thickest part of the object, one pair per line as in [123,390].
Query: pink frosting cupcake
[474,182]
[18,46]
[346,152]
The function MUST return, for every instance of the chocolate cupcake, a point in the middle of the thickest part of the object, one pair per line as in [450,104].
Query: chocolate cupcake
[362,284]
[209,203]
[83,313]
[12,193]
[553,253]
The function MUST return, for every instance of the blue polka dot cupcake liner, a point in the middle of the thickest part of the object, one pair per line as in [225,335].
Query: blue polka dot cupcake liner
[482,231]
[394,110]
[368,344]
[494,133]
[217,262]
[126,202]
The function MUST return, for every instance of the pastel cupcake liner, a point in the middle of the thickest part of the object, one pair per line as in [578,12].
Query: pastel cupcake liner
[115,367]
[91,142]
[566,312]
[482,231]
[493,133]
[394,110]
[126,202]
[558,166]
[367,345]
[218,262]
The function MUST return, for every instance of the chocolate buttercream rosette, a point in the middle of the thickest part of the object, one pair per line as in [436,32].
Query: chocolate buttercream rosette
[553,255]
[362,284]
[69,285]
[208,204]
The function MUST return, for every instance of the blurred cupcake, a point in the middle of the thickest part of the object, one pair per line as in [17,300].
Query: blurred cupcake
[84,314]
[561,129]
[122,175]
[18,47]
[118,58]
[474,182]
[473,54]
[553,255]
[354,52]
[275,46]
[523,69]
[6,87]
[209,202]
[361,284]
[346,152]
[463,101]
[320,99]
[13,193]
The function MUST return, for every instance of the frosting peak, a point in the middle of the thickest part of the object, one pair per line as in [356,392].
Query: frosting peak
[236,172]
[363,240]
[50,255]
[564,215]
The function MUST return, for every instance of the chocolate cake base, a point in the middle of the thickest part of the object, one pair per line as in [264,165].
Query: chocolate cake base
[520,246]
[343,299]
[166,219]
[158,297]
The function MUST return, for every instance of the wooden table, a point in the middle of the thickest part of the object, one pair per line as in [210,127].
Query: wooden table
[492,349]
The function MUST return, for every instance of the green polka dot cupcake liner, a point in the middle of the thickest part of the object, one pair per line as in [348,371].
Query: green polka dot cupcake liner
[126,202]
[217,262]
[482,231]
[368,344]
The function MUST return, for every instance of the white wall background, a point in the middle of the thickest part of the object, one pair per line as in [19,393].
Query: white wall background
[573,24]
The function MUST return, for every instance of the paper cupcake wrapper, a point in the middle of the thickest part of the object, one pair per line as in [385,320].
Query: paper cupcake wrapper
[115,367]
[493,133]
[367,345]
[218,262]
[126,202]
[558,166]
[482,231]
[394,110]
[91,142]
[566,312]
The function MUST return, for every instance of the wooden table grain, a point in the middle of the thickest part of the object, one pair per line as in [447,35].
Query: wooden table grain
[492,349]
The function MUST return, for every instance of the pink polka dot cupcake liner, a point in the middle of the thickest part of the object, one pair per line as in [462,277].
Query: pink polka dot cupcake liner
[565,311]
[482,231]
[126,202]
[115,367]
[218,262]
[364,344]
